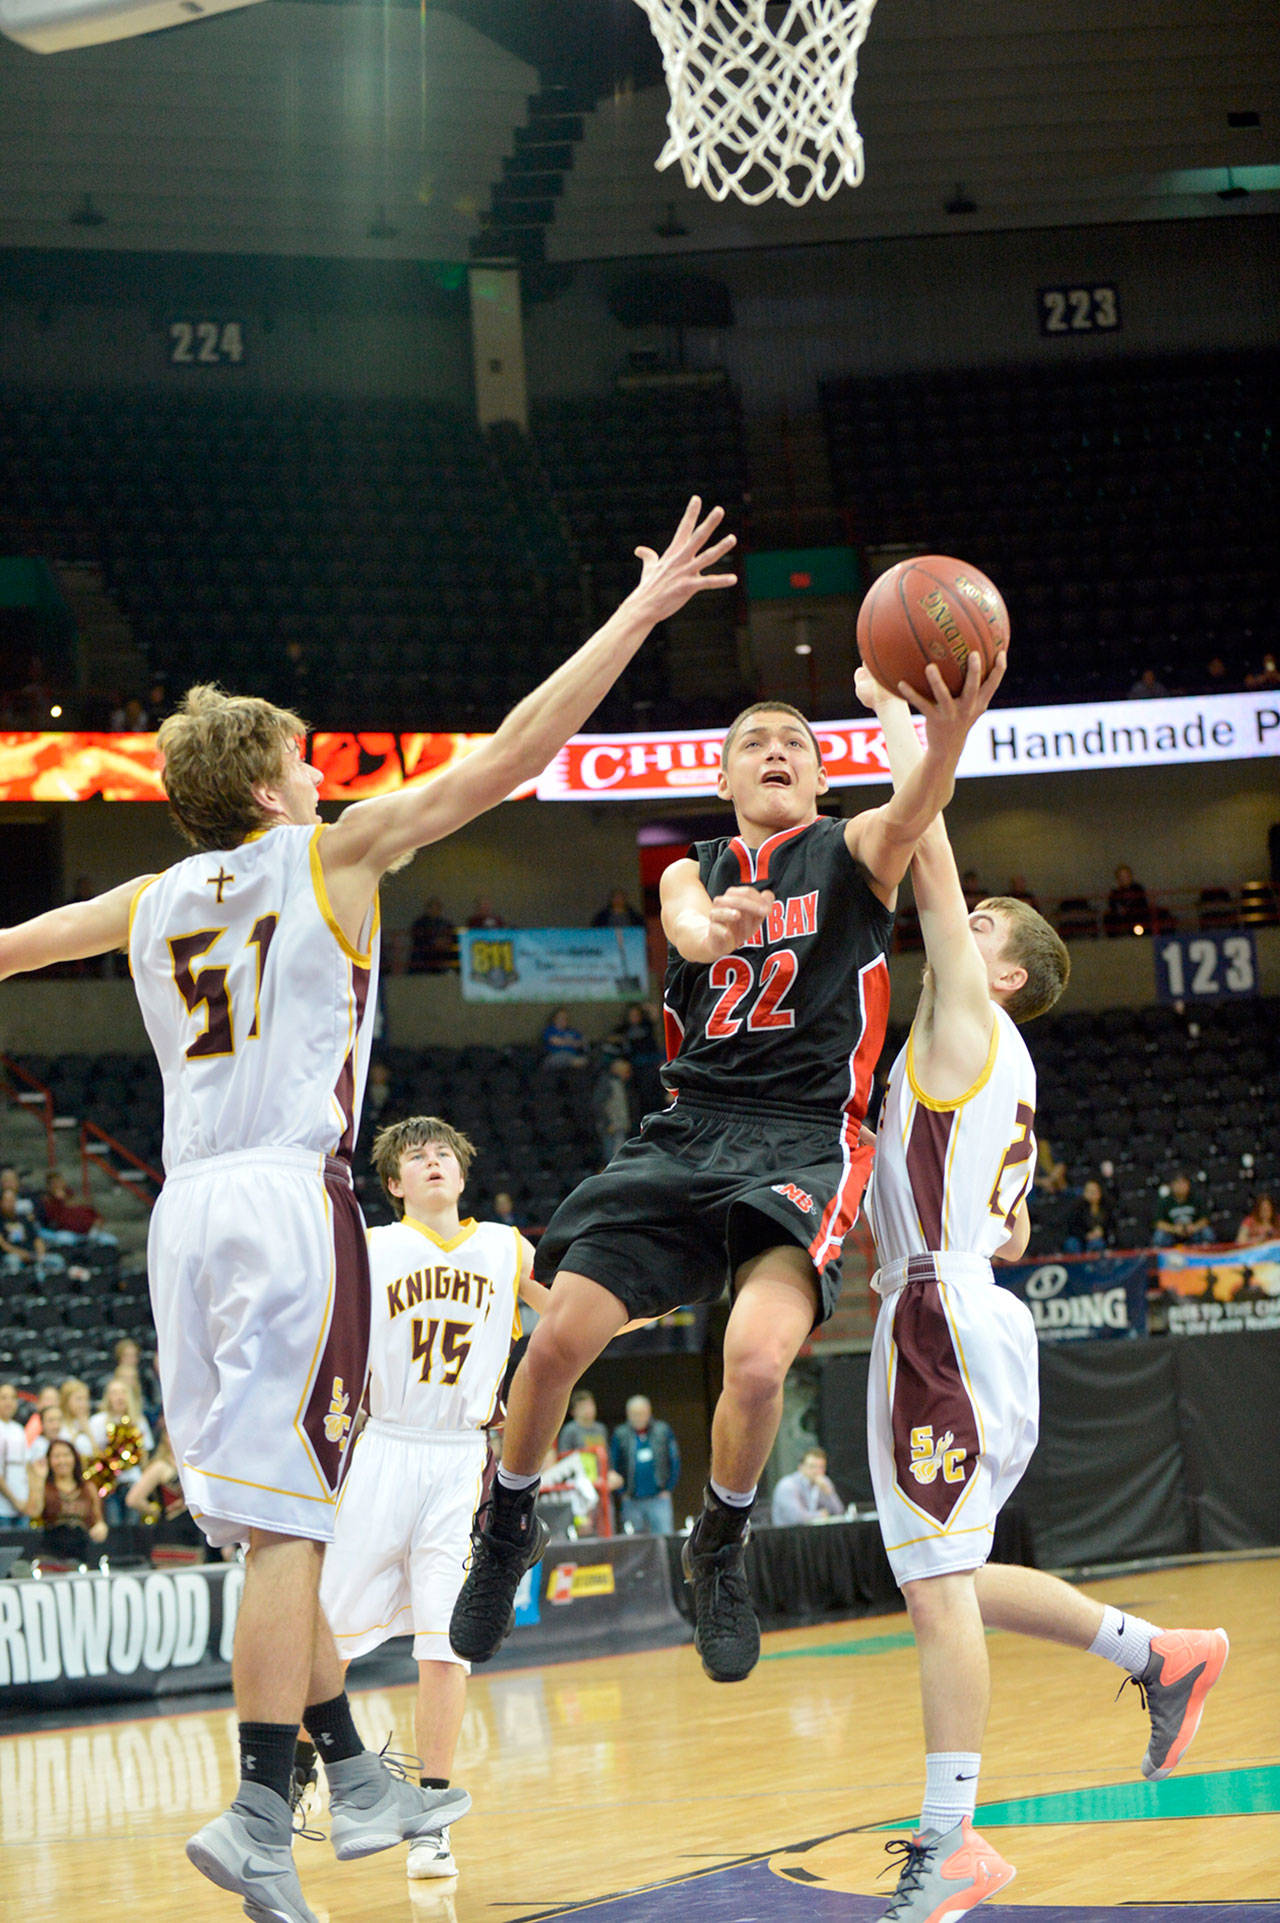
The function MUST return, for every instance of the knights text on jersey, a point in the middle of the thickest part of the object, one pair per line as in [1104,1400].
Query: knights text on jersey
[950,1175]
[444,1317]
[259,1009]
[795,1018]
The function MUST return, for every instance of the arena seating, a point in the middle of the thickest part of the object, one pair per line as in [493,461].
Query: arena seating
[1122,505]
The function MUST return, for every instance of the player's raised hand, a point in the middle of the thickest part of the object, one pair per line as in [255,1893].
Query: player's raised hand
[672,578]
[735,916]
[872,693]
[948,717]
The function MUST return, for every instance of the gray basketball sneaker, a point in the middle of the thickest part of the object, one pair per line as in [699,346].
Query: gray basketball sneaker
[373,1806]
[944,1877]
[248,1850]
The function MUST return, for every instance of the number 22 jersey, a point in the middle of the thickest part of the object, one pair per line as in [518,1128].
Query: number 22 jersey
[794,1019]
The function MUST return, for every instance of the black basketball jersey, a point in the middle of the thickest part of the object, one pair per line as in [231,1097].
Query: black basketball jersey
[795,1018]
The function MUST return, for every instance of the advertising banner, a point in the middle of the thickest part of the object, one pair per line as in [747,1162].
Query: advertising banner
[635,767]
[585,1597]
[120,1633]
[553,964]
[1222,1292]
[1076,1297]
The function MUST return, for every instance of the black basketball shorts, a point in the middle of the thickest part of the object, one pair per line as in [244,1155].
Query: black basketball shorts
[700,1191]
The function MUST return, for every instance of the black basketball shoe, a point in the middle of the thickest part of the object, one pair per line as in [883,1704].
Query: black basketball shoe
[726,1634]
[484,1613]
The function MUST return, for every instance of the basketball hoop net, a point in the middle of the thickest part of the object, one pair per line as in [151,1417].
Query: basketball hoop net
[757,110]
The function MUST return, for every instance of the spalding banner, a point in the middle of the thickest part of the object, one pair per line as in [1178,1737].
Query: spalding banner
[1074,1297]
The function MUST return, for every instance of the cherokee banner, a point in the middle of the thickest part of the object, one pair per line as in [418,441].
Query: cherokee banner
[1227,1292]
[639,767]
[553,964]
[1075,1297]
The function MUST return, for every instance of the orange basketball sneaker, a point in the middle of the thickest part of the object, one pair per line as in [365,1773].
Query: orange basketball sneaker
[944,1877]
[1184,1666]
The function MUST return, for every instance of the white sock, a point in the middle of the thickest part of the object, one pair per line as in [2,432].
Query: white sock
[734,1498]
[950,1788]
[1124,1640]
[513,1482]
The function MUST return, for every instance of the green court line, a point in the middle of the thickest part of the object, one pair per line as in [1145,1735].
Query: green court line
[1225,1792]
[865,1646]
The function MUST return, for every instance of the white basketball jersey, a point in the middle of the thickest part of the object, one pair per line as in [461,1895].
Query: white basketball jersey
[444,1317]
[950,1175]
[259,1009]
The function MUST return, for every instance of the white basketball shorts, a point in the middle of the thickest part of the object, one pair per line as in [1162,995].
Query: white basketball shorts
[953,1410]
[400,1550]
[260,1287]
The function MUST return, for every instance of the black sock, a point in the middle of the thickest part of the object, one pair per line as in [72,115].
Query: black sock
[331,1729]
[434,1782]
[266,1755]
[720,1522]
[512,1513]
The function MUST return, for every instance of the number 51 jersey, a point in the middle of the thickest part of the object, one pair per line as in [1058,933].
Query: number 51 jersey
[950,1175]
[259,1009]
[445,1314]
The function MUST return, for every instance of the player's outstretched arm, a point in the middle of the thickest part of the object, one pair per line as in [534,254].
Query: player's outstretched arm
[71,933]
[700,929]
[884,839]
[371,835]
[1016,1245]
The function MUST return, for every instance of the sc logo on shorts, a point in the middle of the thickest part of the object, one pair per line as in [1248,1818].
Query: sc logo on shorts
[1048,1281]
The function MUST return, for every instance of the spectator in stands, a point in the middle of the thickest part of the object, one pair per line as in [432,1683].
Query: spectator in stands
[1260,1224]
[156,1497]
[21,1246]
[1090,1226]
[1147,687]
[74,1396]
[1128,909]
[611,1101]
[1215,679]
[46,1399]
[14,1457]
[1268,675]
[11,1185]
[504,1210]
[636,1037]
[50,1431]
[807,1494]
[484,914]
[140,1380]
[130,717]
[617,912]
[563,1045]
[1051,1173]
[66,1224]
[67,1507]
[645,1456]
[1183,1217]
[583,1430]
[377,1090]
[1019,890]
[433,941]
[121,1411]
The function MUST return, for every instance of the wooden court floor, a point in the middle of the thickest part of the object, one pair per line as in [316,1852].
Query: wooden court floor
[633,1790]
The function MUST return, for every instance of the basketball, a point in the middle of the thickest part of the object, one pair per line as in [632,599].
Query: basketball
[930,608]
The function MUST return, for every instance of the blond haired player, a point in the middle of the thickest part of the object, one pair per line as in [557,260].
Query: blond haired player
[953,1394]
[255,963]
[445,1296]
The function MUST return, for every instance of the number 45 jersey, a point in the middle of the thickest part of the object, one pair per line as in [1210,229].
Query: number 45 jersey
[444,1317]
[948,1176]
[259,1009]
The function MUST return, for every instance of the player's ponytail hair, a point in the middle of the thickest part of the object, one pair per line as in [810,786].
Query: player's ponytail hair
[1039,949]
[394,1141]
[217,749]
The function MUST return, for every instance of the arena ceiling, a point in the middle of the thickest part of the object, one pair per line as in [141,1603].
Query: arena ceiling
[380,131]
